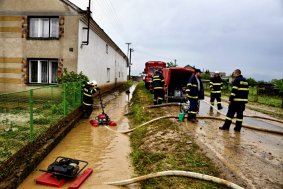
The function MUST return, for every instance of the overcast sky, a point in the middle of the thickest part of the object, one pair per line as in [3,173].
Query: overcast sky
[209,34]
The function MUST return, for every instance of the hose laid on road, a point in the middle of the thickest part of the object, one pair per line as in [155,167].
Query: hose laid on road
[162,105]
[155,119]
[176,173]
[252,116]
[178,104]
[244,125]
[202,117]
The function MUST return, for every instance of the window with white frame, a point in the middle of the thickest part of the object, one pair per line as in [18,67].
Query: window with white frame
[44,27]
[43,71]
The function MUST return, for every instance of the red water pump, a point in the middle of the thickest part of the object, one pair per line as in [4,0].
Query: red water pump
[103,118]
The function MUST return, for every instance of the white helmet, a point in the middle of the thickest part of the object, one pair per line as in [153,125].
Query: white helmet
[217,72]
[93,83]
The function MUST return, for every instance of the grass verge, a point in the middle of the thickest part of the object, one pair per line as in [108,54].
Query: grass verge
[165,145]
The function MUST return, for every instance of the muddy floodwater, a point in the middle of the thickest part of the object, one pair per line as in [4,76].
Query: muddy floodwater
[105,150]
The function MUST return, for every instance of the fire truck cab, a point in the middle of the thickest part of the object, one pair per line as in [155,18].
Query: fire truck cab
[150,67]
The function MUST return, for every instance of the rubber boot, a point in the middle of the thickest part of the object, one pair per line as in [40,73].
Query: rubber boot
[226,125]
[238,126]
[189,116]
[194,118]
[219,106]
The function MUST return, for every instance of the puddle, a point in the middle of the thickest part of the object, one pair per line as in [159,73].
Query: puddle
[106,151]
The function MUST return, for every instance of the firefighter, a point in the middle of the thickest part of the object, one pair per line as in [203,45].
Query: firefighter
[215,85]
[237,101]
[158,87]
[88,90]
[195,92]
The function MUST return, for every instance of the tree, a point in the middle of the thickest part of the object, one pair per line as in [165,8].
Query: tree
[279,85]
[171,64]
[252,82]
[206,75]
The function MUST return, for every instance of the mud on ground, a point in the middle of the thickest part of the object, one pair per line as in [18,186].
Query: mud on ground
[244,158]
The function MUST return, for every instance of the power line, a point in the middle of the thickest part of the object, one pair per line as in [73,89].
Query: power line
[112,16]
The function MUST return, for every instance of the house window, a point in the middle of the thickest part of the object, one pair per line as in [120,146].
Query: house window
[44,27]
[107,48]
[43,71]
[108,75]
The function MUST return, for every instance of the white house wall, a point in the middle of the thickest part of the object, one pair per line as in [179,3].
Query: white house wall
[93,60]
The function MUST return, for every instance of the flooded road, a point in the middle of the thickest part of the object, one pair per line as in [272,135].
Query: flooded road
[255,156]
[106,151]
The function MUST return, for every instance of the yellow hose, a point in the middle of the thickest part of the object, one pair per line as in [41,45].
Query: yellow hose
[176,173]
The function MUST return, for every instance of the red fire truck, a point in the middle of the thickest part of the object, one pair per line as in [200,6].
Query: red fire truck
[149,70]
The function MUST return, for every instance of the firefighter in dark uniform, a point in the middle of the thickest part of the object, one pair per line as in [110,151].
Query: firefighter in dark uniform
[158,87]
[237,101]
[215,85]
[88,90]
[195,92]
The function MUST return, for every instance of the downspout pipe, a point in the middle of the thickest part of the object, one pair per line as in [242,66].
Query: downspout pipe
[88,24]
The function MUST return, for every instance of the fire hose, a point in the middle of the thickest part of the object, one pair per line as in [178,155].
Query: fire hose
[176,173]
[202,117]
[178,104]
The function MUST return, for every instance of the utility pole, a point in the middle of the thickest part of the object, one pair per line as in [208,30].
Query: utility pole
[131,50]
[128,53]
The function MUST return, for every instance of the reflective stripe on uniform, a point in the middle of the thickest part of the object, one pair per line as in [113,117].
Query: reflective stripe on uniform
[240,99]
[228,118]
[87,104]
[158,88]
[194,97]
[244,83]
[217,84]
[215,91]
[243,89]
[86,94]
[192,112]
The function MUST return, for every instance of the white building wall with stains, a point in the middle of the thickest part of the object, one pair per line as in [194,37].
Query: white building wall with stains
[99,60]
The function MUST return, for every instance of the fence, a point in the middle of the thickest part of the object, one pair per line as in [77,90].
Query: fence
[256,94]
[25,115]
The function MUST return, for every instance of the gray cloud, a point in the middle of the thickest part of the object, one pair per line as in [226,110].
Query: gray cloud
[210,34]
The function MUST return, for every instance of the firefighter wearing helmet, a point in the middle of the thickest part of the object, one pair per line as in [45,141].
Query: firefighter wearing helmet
[158,87]
[215,85]
[88,90]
